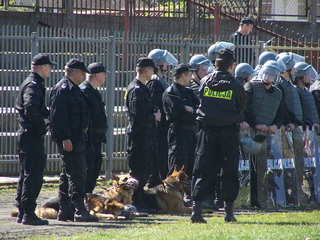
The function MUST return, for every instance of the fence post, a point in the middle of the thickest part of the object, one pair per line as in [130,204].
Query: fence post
[217,19]
[37,6]
[110,103]
[34,44]
[313,11]
[6,4]
[187,51]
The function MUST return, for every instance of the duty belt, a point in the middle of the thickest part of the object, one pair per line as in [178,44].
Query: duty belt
[98,130]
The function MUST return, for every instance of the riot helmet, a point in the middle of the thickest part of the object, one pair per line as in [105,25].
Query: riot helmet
[214,49]
[302,69]
[160,57]
[266,56]
[244,71]
[281,65]
[290,59]
[269,71]
[200,60]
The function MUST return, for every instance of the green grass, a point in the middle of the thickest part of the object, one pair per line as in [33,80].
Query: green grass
[255,226]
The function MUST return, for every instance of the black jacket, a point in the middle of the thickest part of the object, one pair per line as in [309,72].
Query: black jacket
[243,54]
[98,118]
[140,107]
[30,104]
[222,100]
[69,117]
[174,99]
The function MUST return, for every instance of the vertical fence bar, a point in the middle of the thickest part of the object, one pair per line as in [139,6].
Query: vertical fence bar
[110,109]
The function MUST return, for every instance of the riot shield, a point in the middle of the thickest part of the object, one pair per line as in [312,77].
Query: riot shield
[275,174]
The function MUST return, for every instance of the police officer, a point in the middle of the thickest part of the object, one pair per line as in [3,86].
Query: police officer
[201,67]
[244,73]
[141,129]
[241,38]
[302,78]
[222,101]
[157,85]
[180,105]
[263,58]
[214,49]
[33,121]
[265,113]
[98,125]
[69,122]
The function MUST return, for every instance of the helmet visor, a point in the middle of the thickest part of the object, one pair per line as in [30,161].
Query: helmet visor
[267,77]
[169,58]
[282,66]
[312,74]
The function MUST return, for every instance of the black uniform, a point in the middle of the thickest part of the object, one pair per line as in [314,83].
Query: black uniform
[157,86]
[243,54]
[222,101]
[194,85]
[69,120]
[181,135]
[30,104]
[141,132]
[97,133]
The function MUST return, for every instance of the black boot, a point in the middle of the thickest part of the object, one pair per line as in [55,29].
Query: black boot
[20,215]
[229,208]
[196,216]
[81,214]
[66,211]
[30,218]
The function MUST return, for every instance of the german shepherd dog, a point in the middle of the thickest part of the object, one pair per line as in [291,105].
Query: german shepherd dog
[108,204]
[168,196]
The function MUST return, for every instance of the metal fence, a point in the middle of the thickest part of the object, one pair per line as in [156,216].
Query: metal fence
[117,50]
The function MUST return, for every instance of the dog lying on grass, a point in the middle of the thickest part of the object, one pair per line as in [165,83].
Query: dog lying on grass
[168,196]
[110,203]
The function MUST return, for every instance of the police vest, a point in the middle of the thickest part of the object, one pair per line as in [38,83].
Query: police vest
[309,108]
[291,98]
[265,104]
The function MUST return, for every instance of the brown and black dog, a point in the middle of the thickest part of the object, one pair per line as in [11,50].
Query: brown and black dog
[168,196]
[108,204]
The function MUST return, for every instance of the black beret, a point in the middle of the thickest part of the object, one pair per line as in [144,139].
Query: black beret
[41,59]
[225,54]
[77,64]
[96,67]
[181,68]
[145,62]
[247,20]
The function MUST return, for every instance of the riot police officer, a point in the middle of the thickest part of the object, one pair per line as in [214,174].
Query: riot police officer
[222,101]
[98,125]
[302,78]
[157,85]
[141,129]
[33,121]
[201,66]
[263,58]
[69,122]
[265,113]
[214,49]
[244,73]
[180,105]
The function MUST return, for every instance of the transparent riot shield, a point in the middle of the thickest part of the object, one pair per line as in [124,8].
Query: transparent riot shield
[243,199]
[312,166]
[275,173]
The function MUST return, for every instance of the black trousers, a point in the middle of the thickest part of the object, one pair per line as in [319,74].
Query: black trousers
[32,161]
[94,163]
[141,151]
[159,164]
[217,150]
[181,149]
[73,172]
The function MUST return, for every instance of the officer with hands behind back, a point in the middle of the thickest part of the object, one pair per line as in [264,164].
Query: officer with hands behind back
[69,122]
[222,102]
[33,121]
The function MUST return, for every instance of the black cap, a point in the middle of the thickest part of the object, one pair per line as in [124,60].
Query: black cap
[145,62]
[247,20]
[77,64]
[96,67]
[181,68]
[41,59]
[225,54]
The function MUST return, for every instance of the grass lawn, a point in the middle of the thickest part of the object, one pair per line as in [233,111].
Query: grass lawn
[299,225]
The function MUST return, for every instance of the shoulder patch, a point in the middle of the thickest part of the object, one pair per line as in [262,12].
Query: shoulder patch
[34,82]
[136,86]
[64,85]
